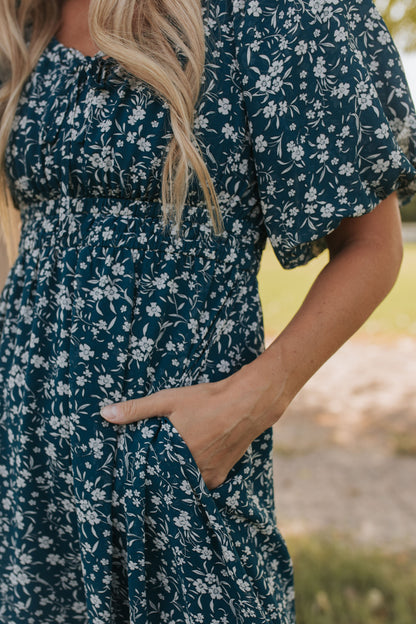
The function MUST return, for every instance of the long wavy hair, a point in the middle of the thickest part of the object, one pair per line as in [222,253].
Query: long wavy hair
[143,36]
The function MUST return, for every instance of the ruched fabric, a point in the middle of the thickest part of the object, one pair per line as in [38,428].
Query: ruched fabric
[301,124]
[331,119]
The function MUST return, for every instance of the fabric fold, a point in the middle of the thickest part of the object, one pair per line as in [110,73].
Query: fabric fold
[330,115]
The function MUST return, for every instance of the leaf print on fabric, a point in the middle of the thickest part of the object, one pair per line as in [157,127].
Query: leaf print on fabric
[304,117]
[331,121]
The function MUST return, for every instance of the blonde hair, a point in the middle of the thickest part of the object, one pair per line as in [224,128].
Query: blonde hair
[145,37]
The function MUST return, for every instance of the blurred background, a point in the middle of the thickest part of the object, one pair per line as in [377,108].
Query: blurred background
[345,451]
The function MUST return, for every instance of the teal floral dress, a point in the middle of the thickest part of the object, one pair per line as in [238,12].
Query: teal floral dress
[304,118]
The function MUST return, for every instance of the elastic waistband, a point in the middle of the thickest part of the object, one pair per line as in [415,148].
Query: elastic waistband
[112,222]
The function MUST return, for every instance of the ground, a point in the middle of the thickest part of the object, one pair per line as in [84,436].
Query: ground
[345,450]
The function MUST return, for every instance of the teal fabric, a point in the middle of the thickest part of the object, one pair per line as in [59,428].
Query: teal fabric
[304,118]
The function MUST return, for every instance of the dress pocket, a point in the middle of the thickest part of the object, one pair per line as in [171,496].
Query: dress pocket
[235,476]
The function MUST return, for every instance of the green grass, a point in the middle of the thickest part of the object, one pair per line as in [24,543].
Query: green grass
[405,444]
[282,292]
[336,583]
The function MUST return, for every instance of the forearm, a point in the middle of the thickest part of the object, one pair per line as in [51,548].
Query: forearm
[356,279]
[219,420]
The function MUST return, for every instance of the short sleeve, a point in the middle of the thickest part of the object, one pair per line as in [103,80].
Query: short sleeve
[329,112]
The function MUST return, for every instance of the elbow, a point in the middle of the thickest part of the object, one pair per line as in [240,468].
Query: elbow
[386,256]
[395,255]
[376,240]
[374,259]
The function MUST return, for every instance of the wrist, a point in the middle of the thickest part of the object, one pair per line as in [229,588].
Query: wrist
[261,384]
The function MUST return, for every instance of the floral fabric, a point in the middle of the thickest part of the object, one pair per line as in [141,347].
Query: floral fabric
[332,123]
[304,118]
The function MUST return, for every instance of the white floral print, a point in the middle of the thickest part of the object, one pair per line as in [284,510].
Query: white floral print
[304,118]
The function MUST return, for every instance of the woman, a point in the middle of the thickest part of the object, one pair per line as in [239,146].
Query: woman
[150,148]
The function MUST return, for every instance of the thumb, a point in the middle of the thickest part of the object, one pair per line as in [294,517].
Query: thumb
[156,404]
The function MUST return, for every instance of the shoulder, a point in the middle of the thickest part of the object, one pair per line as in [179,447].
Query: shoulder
[295,16]
[330,115]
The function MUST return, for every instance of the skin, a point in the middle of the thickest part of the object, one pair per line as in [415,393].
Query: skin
[219,420]
[73,31]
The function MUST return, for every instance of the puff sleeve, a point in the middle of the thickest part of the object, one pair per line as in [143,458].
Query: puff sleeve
[330,116]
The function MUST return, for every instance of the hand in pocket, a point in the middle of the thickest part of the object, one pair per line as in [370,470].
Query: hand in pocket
[216,420]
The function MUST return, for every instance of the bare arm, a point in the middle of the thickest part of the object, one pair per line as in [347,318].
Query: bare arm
[219,420]
[365,258]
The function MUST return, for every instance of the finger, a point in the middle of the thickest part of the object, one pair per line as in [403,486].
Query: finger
[157,404]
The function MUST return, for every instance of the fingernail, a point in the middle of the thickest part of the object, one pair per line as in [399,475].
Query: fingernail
[110,412]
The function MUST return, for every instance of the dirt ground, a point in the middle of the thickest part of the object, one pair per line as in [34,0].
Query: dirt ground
[345,451]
